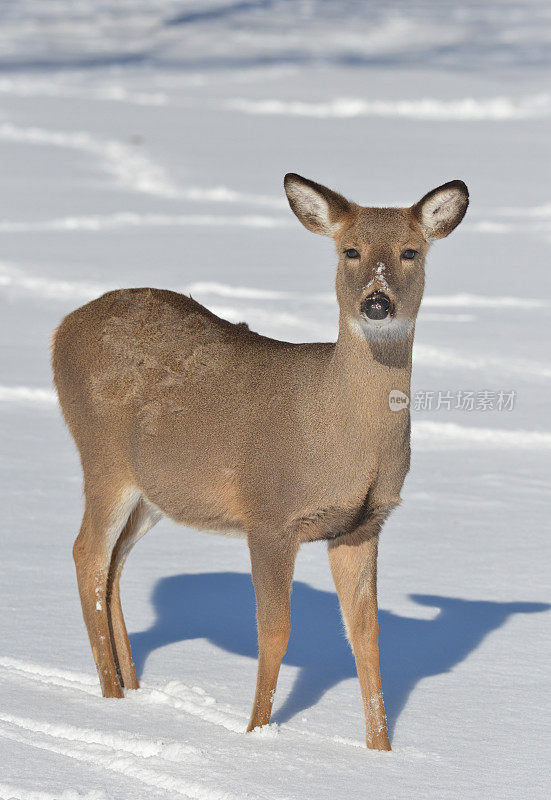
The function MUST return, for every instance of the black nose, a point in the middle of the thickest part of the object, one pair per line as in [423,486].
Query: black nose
[376,306]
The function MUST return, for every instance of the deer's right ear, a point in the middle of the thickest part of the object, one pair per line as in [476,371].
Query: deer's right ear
[318,208]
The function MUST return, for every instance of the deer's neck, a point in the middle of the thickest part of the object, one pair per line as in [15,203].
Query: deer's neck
[362,375]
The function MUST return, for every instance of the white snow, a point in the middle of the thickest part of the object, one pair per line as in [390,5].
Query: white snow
[145,143]
[380,275]
[425,108]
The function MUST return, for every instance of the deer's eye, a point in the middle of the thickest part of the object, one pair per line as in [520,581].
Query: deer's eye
[351,253]
[409,254]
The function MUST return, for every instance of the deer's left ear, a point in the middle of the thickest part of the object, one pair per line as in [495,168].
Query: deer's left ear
[441,210]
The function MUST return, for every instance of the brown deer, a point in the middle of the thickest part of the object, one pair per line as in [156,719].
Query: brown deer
[177,412]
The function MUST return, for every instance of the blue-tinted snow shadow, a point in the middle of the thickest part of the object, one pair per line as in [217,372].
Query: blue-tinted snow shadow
[219,606]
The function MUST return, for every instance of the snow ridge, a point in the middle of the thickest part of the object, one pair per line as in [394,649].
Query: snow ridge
[113,761]
[10,792]
[27,394]
[193,701]
[129,168]
[123,742]
[427,108]
[125,164]
[128,219]
[445,435]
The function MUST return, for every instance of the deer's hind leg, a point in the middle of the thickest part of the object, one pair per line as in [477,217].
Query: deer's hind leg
[106,513]
[142,518]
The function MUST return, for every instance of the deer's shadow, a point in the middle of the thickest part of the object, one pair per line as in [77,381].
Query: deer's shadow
[220,607]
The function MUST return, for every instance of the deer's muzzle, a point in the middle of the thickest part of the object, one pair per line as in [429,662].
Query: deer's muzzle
[376,306]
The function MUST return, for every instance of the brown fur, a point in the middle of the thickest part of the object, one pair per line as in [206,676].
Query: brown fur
[178,412]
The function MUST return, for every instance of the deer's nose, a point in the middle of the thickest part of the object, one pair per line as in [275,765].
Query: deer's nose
[376,306]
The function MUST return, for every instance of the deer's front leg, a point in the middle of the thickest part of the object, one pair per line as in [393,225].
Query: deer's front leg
[354,568]
[272,566]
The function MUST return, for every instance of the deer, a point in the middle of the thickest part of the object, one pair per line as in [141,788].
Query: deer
[178,413]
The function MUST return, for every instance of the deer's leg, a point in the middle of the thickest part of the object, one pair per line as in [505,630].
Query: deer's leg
[272,563]
[354,568]
[140,521]
[104,518]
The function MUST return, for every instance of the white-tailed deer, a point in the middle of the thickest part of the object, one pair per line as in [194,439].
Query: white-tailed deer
[177,412]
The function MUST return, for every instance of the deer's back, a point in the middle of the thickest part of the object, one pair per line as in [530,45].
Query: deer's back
[203,415]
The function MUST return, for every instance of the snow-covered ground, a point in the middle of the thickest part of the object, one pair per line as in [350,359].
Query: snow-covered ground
[144,143]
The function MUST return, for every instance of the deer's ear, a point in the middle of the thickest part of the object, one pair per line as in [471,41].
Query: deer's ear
[441,210]
[318,208]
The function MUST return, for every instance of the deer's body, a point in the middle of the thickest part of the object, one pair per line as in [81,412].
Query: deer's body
[220,427]
[177,412]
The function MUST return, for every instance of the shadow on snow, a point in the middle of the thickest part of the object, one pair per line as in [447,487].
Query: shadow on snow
[219,606]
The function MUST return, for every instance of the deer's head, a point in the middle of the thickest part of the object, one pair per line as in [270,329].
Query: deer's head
[381,270]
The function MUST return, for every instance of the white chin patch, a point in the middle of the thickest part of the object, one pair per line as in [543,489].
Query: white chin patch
[391,329]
